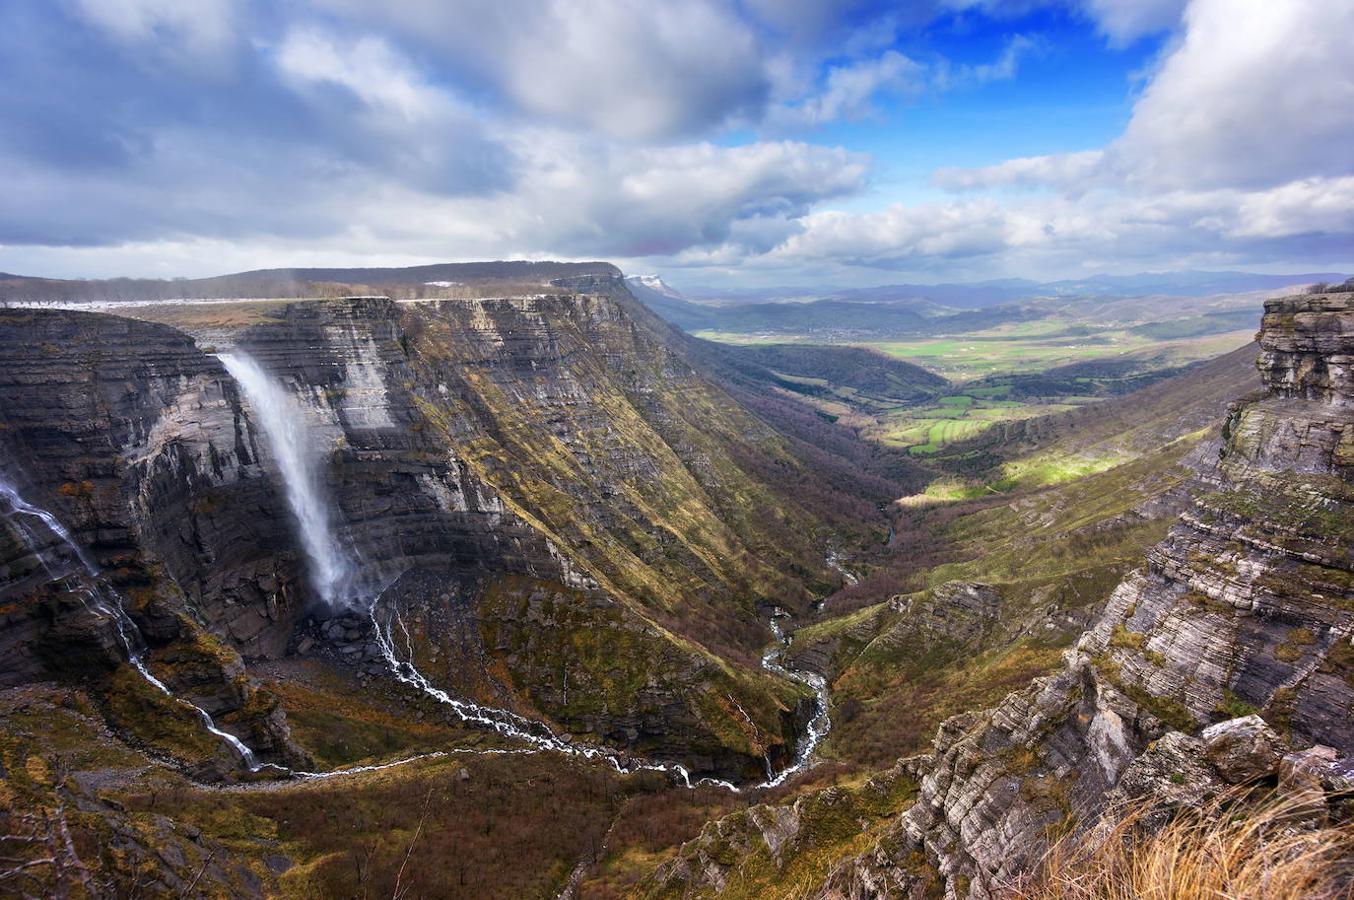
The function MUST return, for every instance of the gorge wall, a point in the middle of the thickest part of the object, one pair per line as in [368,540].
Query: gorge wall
[558,503]
[1246,607]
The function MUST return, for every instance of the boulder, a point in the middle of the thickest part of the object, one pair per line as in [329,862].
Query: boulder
[1242,750]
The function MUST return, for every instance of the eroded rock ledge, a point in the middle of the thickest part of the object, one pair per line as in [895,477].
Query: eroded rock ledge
[1225,658]
[1246,608]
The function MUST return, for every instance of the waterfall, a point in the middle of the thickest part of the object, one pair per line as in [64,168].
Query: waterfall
[819,724]
[130,638]
[283,420]
[20,507]
[102,599]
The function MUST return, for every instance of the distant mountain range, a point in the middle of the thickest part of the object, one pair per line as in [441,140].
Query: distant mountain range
[311,282]
[914,310]
[1187,283]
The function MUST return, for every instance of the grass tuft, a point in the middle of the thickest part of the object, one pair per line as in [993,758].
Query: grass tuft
[1226,849]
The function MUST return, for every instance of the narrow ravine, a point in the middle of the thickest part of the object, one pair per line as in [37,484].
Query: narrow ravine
[821,721]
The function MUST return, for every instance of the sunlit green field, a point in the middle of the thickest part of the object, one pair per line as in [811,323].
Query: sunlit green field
[975,363]
[1025,349]
[926,429]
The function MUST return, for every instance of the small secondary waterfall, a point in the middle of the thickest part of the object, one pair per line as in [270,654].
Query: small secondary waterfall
[283,420]
[20,507]
[821,722]
[106,601]
[284,427]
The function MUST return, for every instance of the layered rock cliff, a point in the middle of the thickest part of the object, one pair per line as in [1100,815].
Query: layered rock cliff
[524,474]
[136,441]
[1246,606]
[1226,658]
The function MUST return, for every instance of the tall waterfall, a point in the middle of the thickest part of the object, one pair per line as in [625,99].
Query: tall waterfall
[102,599]
[283,420]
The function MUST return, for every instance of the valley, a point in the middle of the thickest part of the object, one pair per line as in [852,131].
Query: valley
[514,593]
[713,450]
[1003,361]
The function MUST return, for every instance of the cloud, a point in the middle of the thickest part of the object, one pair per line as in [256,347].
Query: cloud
[417,130]
[1257,93]
[900,235]
[366,67]
[849,90]
[947,77]
[1062,170]
[623,68]
[1238,148]
[192,29]
[1123,21]
[568,196]
[1300,220]
[578,197]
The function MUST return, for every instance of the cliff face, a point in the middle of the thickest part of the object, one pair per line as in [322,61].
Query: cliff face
[550,467]
[136,441]
[556,438]
[591,425]
[142,441]
[1245,608]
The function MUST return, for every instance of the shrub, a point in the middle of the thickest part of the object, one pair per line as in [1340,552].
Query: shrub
[1321,287]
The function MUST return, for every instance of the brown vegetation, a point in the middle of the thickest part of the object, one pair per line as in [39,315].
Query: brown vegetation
[1230,848]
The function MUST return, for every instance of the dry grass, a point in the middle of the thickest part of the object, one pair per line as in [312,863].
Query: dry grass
[1230,849]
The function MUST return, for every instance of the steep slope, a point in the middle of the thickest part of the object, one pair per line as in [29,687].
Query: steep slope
[1042,543]
[518,477]
[104,419]
[671,305]
[1246,606]
[852,374]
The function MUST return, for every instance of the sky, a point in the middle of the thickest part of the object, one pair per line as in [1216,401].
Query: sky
[717,142]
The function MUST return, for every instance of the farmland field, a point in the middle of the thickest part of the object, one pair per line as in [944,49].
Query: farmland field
[1024,350]
[990,370]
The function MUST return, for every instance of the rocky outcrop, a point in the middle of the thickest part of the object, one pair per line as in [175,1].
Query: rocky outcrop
[777,849]
[1245,609]
[402,494]
[1307,349]
[133,438]
[136,439]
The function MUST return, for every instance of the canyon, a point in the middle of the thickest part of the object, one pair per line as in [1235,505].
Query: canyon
[532,565]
